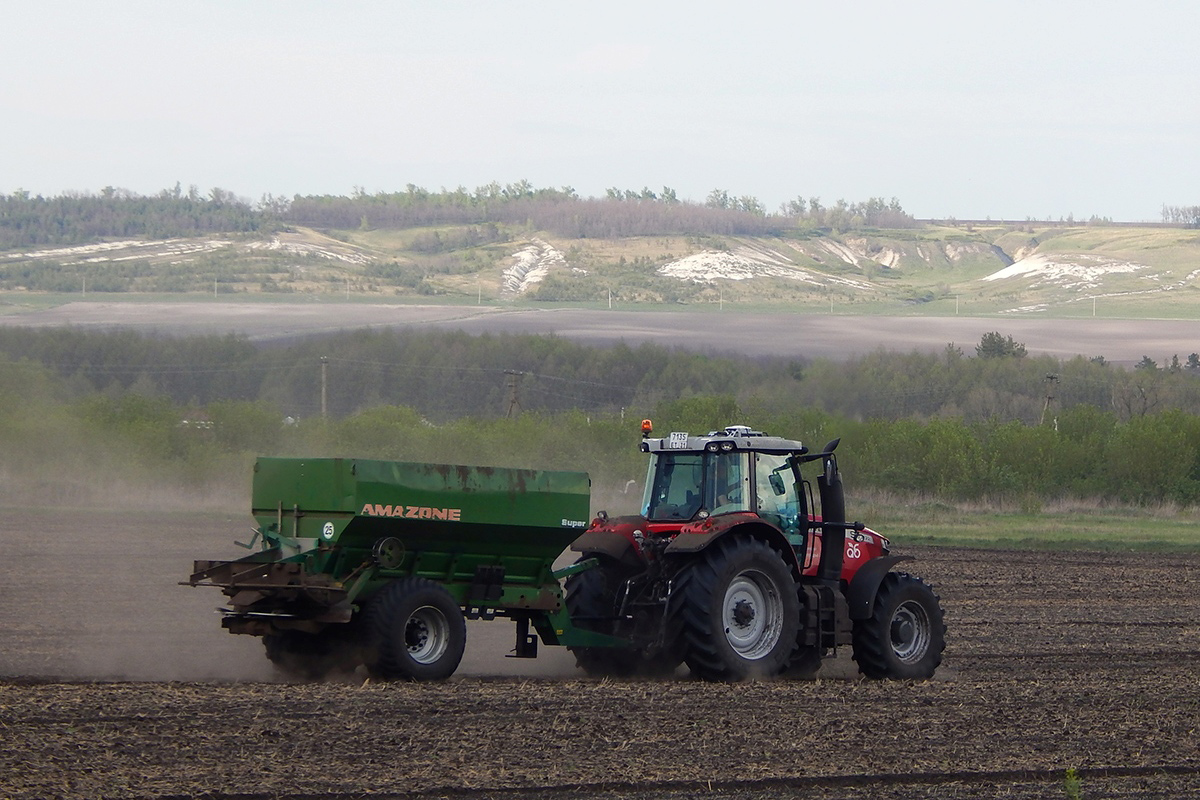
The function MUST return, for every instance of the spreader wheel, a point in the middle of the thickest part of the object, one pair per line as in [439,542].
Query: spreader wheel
[592,599]
[737,611]
[905,636]
[415,631]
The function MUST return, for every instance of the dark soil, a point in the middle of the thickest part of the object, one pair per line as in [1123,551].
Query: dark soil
[1054,660]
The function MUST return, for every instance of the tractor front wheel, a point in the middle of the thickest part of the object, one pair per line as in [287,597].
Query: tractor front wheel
[737,610]
[905,636]
[415,631]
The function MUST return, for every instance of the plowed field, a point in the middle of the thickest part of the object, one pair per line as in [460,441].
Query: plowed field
[116,682]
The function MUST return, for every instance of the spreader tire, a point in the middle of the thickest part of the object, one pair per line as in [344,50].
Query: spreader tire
[311,656]
[737,611]
[415,632]
[904,637]
[592,603]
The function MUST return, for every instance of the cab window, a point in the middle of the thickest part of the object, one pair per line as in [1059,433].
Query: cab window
[673,486]
[680,484]
[775,488]
[728,483]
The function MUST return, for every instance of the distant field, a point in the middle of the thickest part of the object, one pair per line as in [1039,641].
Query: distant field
[793,335]
[1113,530]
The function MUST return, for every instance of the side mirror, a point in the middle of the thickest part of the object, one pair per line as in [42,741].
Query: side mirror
[776,481]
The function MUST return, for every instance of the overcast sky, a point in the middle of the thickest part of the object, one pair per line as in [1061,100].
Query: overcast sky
[966,109]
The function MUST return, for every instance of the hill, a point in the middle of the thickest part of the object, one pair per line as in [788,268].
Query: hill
[547,246]
[931,270]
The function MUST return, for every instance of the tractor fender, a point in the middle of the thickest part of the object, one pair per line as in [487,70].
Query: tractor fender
[697,536]
[860,594]
[615,538]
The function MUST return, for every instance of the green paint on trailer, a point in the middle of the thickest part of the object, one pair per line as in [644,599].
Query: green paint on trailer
[336,531]
[449,519]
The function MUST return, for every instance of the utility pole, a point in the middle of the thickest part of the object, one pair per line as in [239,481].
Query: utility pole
[1051,382]
[514,387]
[324,386]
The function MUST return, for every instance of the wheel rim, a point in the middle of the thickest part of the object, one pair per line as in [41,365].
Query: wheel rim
[910,631]
[752,615]
[427,635]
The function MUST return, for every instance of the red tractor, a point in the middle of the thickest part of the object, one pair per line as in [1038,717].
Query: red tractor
[733,569]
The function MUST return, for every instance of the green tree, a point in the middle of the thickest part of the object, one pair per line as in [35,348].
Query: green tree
[699,414]
[751,205]
[995,345]
[719,198]
[1148,459]
[241,426]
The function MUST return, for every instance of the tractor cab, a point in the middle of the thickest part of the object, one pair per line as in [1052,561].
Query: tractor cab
[735,470]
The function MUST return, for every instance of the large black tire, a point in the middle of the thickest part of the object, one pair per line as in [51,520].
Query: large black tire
[905,635]
[415,631]
[737,611]
[592,596]
[312,656]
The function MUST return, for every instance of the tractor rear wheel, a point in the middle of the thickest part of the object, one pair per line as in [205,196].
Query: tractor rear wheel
[737,611]
[311,656]
[415,631]
[592,599]
[904,637]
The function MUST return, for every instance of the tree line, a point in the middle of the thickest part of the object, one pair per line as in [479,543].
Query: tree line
[1188,216]
[988,422]
[76,445]
[74,218]
[79,218]
[444,375]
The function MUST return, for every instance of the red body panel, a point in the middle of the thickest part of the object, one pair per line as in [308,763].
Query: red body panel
[861,546]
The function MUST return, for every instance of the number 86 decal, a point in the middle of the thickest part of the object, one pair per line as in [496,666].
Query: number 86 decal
[853,551]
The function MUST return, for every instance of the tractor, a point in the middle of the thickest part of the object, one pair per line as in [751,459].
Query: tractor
[733,569]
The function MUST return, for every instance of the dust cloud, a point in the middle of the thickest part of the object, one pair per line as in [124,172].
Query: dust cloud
[95,595]
[90,583]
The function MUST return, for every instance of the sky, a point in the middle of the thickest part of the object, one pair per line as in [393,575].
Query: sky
[973,110]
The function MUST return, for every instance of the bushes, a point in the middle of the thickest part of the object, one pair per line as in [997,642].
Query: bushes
[944,425]
[1150,459]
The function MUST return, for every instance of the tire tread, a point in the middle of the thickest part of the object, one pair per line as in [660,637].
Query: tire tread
[387,659]
[872,636]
